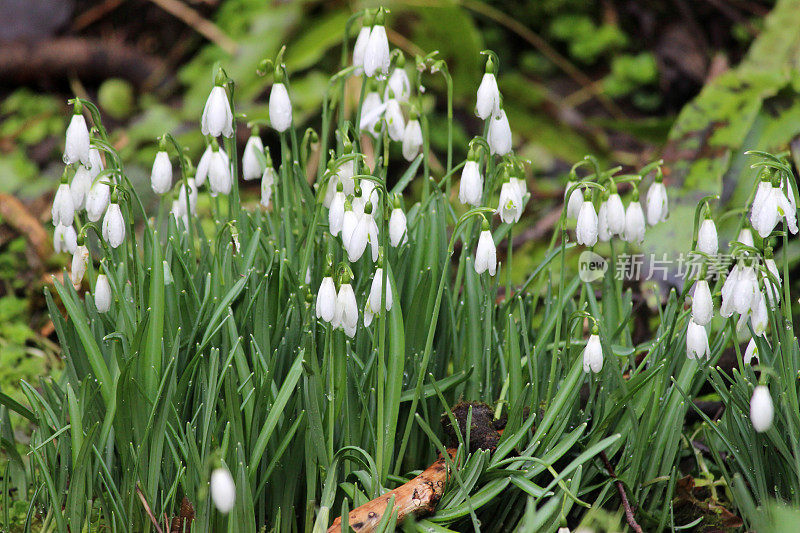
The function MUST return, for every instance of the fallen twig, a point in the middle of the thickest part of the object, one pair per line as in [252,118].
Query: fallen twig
[625,504]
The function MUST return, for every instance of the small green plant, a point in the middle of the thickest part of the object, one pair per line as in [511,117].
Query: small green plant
[276,363]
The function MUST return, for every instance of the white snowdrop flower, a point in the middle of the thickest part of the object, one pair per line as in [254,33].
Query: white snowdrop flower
[80,262]
[745,237]
[359,48]
[376,54]
[728,290]
[634,223]
[616,215]
[751,352]
[587,227]
[374,299]
[786,209]
[114,226]
[372,108]
[178,211]
[395,124]
[368,194]
[326,299]
[697,341]
[702,304]
[79,187]
[65,239]
[397,228]
[252,167]
[345,174]
[510,204]
[372,233]
[412,140]
[603,233]
[657,203]
[398,85]
[161,175]
[336,212]
[486,253]
[97,200]
[707,240]
[217,117]
[470,188]
[76,148]
[488,98]
[268,179]
[761,409]
[499,136]
[346,315]
[63,210]
[192,187]
[102,294]
[201,174]
[593,355]
[95,162]
[219,174]
[771,288]
[763,192]
[759,317]
[280,107]
[791,193]
[521,184]
[575,200]
[744,292]
[223,490]
[354,235]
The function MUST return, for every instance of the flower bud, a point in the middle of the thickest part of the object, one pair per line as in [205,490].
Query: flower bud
[252,168]
[397,228]
[761,409]
[102,294]
[593,355]
[326,300]
[161,175]
[486,254]
[280,108]
[114,226]
[499,136]
[223,490]
[217,117]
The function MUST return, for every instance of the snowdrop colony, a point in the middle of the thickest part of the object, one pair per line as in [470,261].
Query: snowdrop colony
[292,364]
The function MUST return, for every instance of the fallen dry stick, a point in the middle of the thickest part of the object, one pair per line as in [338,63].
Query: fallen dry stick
[419,496]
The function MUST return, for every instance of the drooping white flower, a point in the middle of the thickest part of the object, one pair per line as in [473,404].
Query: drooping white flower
[510,204]
[219,173]
[728,290]
[102,294]
[587,227]
[774,207]
[201,174]
[398,85]
[397,228]
[486,254]
[751,352]
[616,215]
[79,187]
[395,124]
[336,212]
[761,409]
[412,140]
[634,223]
[345,174]
[702,304]
[223,490]
[97,200]
[252,166]
[65,239]
[763,192]
[346,315]
[193,193]
[373,306]
[217,117]
[593,355]
[745,237]
[657,203]
[95,162]
[488,97]
[575,200]
[359,48]
[326,299]
[76,148]
[161,175]
[470,189]
[707,240]
[114,226]
[372,109]
[697,341]
[791,193]
[372,234]
[499,136]
[268,179]
[603,232]
[63,210]
[771,287]
[521,184]
[280,107]
[80,262]
[354,234]
[744,292]
[376,54]
[369,194]
[759,318]
[178,211]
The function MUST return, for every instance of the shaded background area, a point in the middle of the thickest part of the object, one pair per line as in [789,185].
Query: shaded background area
[694,81]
